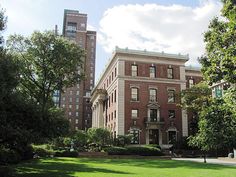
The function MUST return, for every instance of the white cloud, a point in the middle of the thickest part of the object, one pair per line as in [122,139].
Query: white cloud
[172,29]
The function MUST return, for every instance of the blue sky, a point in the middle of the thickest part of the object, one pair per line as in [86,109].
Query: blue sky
[172,26]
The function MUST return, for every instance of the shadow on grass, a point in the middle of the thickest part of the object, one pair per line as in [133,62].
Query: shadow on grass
[157,163]
[57,167]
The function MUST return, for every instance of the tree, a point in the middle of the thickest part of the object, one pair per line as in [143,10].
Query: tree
[100,136]
[193,100]
[217,127]
[2,24]
[219,61]
[49,63]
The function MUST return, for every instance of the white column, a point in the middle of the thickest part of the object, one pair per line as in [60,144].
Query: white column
[184,116]
[100,114]
[93,118]
[121,107]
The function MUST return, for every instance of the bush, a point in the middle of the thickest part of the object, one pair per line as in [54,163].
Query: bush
[44,150]
[117,151]
[8,156]
[142,150]
[153,145]
[26,152]
[66,154]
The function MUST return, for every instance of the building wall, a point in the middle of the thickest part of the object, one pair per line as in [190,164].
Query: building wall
[121,62]
[76,100]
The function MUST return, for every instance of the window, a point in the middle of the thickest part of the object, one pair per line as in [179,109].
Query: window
[63,105]
[88,94]
[135,136]
[190,82]
[70,100]
[82,25]
[70,106]
[115,114]
[69,113]
[63,98]
[172,137]
[76,121]
[171,96]
[115,96]
[115,72]
[71,92]
[77,100]
[76,128]
[170,73]
[77,92]
[171,114]
[152,71]
[77,107]
[134,113]
[134,70]
[112,98]
[76,114]
[153,95]
[134,94]
[153,115]
[71,26]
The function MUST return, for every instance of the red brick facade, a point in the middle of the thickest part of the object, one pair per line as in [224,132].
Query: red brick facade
[145,86]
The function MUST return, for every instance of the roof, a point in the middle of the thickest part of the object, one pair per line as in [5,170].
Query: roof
[151,53]
[193,68]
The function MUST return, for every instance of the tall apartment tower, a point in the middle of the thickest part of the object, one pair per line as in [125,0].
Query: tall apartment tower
[76,100]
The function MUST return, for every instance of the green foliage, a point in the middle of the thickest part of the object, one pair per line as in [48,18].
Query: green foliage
[123,140]
[2,24]
[217,127]
[114,150]
[99,136]
[48,63]
[133,150]
[44,150]
[66,153]
[80,140]
[220,59]
[194,98]
[8,156]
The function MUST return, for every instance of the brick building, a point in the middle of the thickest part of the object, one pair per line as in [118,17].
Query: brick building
[76,100]
[137,95]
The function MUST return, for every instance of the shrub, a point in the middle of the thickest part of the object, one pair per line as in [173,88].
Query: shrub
[123,140]
[154,145]
[66,153]
[117,151]
[9,156]
[44,150]
[142,150]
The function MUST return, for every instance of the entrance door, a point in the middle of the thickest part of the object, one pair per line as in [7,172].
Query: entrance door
[153,136]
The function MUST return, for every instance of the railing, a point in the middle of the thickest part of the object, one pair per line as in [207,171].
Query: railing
[154,120]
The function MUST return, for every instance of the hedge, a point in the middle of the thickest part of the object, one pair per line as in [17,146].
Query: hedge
[66,153]
[142,150]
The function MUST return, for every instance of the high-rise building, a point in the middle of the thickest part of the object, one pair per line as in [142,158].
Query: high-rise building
[76,100]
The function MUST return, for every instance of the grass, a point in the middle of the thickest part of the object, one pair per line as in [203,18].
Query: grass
[85,167]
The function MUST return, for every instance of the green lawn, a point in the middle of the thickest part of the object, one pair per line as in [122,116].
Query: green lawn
[85,167]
